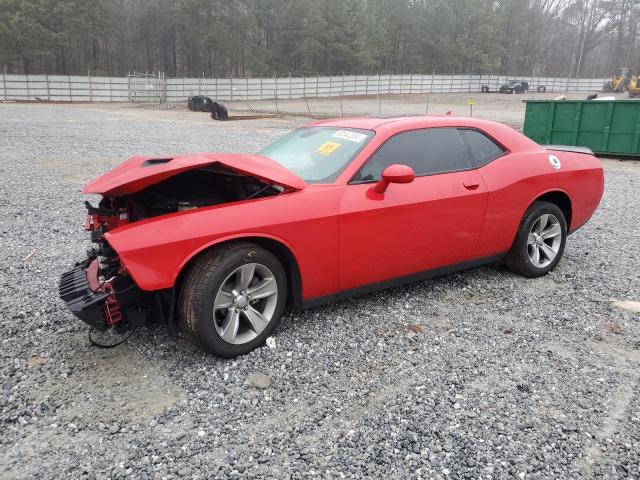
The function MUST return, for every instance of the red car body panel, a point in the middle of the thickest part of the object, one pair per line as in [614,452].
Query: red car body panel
[140,172]
[344,236]
[429,223]
[516,180]
[155,250]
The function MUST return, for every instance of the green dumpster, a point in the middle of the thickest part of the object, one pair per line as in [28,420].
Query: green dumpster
[604,126]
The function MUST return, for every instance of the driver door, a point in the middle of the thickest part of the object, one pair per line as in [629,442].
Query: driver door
[429,223]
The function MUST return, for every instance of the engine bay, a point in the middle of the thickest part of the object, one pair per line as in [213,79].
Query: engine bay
[184,191]
[195,189]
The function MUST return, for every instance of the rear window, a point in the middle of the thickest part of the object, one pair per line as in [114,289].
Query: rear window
[483,149]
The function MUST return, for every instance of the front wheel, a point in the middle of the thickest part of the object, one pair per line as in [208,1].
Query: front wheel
[539,242]
[233,299]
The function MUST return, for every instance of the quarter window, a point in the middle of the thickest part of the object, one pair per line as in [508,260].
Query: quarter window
[482,148]
[428,151]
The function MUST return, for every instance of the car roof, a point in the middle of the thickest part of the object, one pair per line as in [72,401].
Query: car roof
[404,122]
[367,123]
[374,122]
[505,135]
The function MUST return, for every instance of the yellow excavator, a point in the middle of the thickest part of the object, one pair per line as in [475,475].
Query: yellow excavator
[623,81]
[633,86]
[618,82]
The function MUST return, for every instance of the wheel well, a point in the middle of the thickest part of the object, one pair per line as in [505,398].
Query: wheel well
[282,253]
[560,200]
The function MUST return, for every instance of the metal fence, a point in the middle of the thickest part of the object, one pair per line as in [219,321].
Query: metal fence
[146,88]
[64,88]
[158,88]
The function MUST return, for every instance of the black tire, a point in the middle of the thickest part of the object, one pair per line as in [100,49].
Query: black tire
[542,88]
[219,111]
[196,297]
[518,257]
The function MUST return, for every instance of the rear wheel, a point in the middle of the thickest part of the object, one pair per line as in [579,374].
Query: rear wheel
[540,241]
[233,299]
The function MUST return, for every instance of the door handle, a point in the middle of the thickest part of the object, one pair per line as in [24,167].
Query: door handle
[471,184]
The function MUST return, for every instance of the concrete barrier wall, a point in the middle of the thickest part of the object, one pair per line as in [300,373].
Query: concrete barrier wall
[71,88]
[66,88]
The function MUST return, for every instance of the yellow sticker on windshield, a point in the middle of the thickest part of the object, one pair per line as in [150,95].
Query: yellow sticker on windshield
[327,148]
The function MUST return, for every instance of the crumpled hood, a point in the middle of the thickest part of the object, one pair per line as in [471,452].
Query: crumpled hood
[141,172]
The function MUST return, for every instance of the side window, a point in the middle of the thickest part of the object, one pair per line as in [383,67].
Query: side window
[427,151]
[482,148]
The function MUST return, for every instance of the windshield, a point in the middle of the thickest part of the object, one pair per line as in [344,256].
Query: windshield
[318,154]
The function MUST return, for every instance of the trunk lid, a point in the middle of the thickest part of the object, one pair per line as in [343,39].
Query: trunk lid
[140,172]
[568,148]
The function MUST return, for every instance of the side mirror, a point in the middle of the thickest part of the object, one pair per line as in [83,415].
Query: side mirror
[395,173]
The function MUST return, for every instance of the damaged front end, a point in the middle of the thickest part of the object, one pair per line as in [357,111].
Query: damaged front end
[99,289]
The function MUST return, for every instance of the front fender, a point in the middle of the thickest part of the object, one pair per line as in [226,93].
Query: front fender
[155,251]
[230,238]
[156,271]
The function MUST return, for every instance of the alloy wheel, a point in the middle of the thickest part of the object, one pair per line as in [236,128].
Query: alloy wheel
[544,240]
[245,303]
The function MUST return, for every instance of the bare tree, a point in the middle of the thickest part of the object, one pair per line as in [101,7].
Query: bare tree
[590,18]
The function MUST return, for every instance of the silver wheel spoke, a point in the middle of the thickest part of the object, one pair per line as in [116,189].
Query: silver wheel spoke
[552,231]
[264,288]
[229,328]
[245,275]
[256,319]
[531,239]
[536,255]
[223,299]
[541,224]
[548,251]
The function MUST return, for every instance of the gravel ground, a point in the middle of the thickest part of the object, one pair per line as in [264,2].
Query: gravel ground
[481,374]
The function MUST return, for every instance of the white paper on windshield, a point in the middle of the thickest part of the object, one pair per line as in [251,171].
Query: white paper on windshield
[349,135]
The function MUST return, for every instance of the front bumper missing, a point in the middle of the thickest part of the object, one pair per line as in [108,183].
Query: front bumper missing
[119,303]
[84,303]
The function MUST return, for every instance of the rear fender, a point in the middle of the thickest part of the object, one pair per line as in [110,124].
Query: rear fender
[548,196]
[512,190]
[584,186]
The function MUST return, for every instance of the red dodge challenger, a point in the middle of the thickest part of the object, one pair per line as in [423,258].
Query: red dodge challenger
[222,243]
